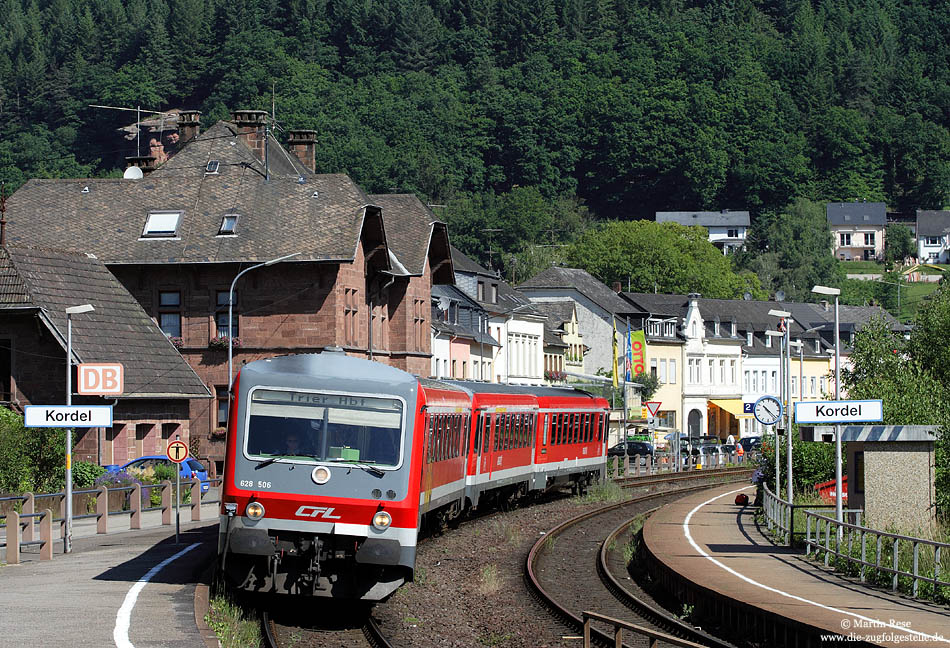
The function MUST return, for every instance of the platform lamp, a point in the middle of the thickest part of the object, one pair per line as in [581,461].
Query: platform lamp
[70,311]
[778,467]
[231,308]
[839,511]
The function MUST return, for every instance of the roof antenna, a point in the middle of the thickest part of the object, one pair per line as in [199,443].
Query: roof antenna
[490,251]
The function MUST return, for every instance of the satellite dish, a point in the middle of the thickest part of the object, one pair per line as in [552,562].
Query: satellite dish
[133,173]
[780,295]
[747,296]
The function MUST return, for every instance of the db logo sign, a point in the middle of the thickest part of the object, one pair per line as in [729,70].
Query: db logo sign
[100,379]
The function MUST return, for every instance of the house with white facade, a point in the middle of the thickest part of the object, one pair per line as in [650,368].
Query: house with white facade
[597,309]
[462,349]
[858,230]
[933,236]
[511,321]
[727,229]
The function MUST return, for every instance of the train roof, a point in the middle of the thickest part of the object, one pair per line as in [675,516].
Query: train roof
[530,390]
[331,366]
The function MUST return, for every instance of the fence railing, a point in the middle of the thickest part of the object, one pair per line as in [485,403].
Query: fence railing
[21,525]
[922,558]
[780,515]
[662,462]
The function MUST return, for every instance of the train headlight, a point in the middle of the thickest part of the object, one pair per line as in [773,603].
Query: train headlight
[382,520]
[254,510]
[320,475]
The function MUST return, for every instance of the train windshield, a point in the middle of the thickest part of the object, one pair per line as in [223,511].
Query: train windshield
[310,426]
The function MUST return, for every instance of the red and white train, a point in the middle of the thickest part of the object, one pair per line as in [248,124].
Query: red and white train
[335,463]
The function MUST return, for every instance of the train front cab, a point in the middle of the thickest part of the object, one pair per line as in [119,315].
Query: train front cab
[341,522]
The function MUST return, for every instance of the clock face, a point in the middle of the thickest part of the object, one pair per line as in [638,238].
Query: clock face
[767,410]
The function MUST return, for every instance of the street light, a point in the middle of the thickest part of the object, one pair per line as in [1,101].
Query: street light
[839,511]
[787,390]
[72,310]
[231,307]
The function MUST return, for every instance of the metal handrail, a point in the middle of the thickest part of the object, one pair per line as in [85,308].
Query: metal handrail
[629,465]
[839,551]
[780,514]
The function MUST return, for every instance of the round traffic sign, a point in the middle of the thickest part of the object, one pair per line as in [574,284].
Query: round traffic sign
[177,451]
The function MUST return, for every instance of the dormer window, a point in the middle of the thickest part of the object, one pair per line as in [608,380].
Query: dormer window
[733,328]
[716,327]
[669,329]
[161,224]
[653,328]
[228,223]
[748,338]
[212,166]
[818,345]
[768,341]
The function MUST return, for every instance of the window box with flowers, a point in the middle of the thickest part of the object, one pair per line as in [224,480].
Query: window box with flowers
[177,342]
[555,376]
[221,342]
[219,433]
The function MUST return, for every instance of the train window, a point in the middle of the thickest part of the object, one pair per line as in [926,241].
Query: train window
[486,439]
[479,431]
[586,428]
[575,428]
[559,432]
[496,443]
[544,426]
[327,427]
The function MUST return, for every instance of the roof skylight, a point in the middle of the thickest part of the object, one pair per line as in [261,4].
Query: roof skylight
[161,224]
[228,223]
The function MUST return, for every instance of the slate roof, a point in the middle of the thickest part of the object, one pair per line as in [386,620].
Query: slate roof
[849,317]
[462,329]
[557,312]
[581,281]
[509,299]
[321,218]
[117,331]
[724,218]
[857,213]
[933,222]
[414,233]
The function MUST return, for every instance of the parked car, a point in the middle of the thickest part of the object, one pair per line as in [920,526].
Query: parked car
[633,448]
[188,469]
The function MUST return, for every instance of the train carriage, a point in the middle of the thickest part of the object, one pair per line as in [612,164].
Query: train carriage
[335,463]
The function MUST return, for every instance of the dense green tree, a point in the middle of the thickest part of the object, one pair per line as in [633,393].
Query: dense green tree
[898,243]
[667,257]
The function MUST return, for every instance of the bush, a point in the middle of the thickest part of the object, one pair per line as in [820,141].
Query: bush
[30,459]
[85,474]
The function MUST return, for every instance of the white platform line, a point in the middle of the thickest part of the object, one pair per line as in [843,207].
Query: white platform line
[123,617]
[872,624]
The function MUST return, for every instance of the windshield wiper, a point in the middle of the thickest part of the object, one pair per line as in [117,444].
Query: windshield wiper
[269,461]
[362,465]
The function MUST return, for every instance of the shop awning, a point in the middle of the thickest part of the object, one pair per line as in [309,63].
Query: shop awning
[731,405]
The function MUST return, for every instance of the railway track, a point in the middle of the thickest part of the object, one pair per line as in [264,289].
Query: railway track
[579,565]
[345,630]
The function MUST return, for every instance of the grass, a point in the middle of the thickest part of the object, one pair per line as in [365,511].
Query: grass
[912,296]
[861,267]
[511,533]
[494,639]
[603,493]
[412,621]
[232,625]
[489,581]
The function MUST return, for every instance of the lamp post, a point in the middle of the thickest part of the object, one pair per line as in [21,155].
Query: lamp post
[72,310]
[787,389]
[778,464]
[231,308]
[839,511]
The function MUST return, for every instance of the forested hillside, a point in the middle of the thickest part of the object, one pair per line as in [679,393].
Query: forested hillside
[527,116]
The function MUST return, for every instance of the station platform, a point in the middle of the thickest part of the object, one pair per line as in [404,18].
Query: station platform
[126,588]
[707,550]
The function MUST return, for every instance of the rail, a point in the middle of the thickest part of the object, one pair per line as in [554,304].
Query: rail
[925,566]
[21,525]
[619,625]
[780,515]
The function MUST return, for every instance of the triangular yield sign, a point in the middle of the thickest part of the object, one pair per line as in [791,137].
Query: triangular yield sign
[653,407]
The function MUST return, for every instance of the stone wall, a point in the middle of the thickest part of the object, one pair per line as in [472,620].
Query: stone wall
[899,487]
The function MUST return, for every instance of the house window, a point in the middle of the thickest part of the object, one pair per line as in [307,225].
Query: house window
[745,377]
[493,293]
[420,328]
[733,233]
[774,383]
[6,369]
[221,397]
[763,384]
[161,224]
[812,385]
[733,332]
[662,371]
[169,430]
[351,312]
[672,374]
[169,312]
[716,328]
[712,371]
[755,386]
[732,372]
[221,318]
[748,338]
[481,291]
[692,329]
[794,385]
[845,239]
[768,341]
[653,328]
[932,240]
[722,372]
[869,238]
[228,223]
[212,166]
[669,329]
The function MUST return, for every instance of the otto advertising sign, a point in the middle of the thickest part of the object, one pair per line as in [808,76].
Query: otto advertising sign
[100,379]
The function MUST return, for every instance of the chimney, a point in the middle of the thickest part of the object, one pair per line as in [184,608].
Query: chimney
[251,125]
[617,287]
[145,162]
[189,125]
[824,305]
[303,143]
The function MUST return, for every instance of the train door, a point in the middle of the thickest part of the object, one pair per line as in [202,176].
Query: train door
[541,438]
[428,423]
[488,442]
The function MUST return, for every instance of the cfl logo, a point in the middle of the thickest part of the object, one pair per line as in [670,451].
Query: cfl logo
[316,511]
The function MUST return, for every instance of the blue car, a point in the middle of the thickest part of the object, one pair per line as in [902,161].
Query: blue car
[188,469]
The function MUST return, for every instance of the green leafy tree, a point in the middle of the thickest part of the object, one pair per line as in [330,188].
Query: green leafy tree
[898,243]
[31,459]
[666,257]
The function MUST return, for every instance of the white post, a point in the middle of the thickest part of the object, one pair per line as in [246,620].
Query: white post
[67,539]
[839,512]
[788,413]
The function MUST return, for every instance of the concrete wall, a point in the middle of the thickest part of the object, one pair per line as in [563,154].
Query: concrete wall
[898,486]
